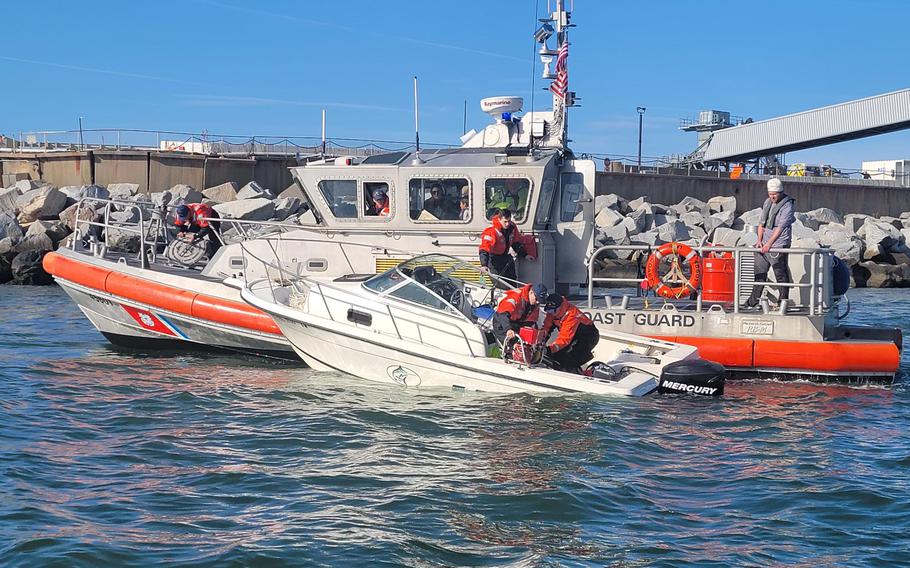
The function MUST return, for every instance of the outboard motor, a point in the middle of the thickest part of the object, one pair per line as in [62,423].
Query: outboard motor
[695,376]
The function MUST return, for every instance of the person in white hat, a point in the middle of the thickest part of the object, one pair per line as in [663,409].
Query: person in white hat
[777,216]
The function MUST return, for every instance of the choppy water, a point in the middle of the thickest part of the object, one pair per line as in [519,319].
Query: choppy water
[112,457]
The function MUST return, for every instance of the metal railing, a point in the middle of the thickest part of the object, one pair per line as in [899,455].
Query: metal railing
[150,236]
[816,285]
[200,142]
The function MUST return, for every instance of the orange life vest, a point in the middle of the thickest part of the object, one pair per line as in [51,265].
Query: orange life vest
[566,318]
[496,240]
[517,303]
[197,210]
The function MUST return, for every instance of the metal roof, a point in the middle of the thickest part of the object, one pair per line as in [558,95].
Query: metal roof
[818,127]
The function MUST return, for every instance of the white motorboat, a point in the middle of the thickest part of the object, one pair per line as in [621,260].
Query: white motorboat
[425,322]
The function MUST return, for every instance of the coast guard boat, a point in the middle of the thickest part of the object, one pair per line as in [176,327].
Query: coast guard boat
[440,201]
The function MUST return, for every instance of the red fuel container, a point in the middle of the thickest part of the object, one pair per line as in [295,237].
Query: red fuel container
[529,334]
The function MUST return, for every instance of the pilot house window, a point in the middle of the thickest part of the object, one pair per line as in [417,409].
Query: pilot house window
[341,196]
[440,199]
[507,193]
[376,199]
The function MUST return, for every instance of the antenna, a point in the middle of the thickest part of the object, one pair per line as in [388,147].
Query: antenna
[323,133]
[534,72]
[417,159]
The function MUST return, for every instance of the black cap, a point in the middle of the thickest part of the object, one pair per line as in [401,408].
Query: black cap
[553,302]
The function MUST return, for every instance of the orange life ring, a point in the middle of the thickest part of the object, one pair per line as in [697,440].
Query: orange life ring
[679,250]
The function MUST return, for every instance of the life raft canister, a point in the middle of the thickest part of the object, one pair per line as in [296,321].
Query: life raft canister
[678,250]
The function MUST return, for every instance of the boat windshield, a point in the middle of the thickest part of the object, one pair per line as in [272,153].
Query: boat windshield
[437,281]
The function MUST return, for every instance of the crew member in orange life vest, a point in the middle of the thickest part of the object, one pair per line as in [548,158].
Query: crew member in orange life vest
[189,218]
[519,307]
[495,242]
[574,345]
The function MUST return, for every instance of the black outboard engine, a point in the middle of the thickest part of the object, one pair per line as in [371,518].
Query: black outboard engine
[694,376]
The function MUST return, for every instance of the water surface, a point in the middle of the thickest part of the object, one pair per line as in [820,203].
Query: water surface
[112,457]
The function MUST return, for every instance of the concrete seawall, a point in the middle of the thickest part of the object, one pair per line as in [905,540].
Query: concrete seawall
[841,197]
[152,170]
[158,171]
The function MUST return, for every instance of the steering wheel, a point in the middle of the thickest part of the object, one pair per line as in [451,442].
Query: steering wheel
[457,298]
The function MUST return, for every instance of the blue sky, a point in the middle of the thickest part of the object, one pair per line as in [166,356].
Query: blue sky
[267,68]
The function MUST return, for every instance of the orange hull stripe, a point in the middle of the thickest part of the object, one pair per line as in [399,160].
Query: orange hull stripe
[822,356]
[158,295]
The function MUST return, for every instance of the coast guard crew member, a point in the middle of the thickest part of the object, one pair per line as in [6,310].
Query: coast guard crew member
[519,307]
[574,345]
[193,218]
[495,242]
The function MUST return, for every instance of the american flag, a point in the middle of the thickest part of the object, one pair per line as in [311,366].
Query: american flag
[560,84]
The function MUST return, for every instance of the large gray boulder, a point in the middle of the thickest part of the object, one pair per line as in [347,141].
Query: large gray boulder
[893,221]
[824,215]
[646,238]
[9,226]
[259,209]
[285,207]
[601,202]
[9,199]
[658,219]
[638,202]
[807,221]
[697,235]
[880,236]
[43,203]
[122,240]
[225,192]
[56,230]
[40,242]
[253,190]
[693,219]
[68,215]
[850,250]
[607,217]
[182,193]
[641,217]
[719,219]
[833,232]
[127,217]
[26,185]
[800,231]
[673,230]
[722,203]
[690,204]
[161,198]
[26,268]
[615,235]
[6,272]
[122,190]
[855,221]
[77,192]
[726,237]
[873,275]
[751,217]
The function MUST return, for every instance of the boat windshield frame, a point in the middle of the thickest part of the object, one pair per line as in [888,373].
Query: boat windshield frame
[394,282]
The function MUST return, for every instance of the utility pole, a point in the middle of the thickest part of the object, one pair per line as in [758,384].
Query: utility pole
[81,141]
[641,115]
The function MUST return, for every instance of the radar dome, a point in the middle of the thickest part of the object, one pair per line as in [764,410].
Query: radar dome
[496,106]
